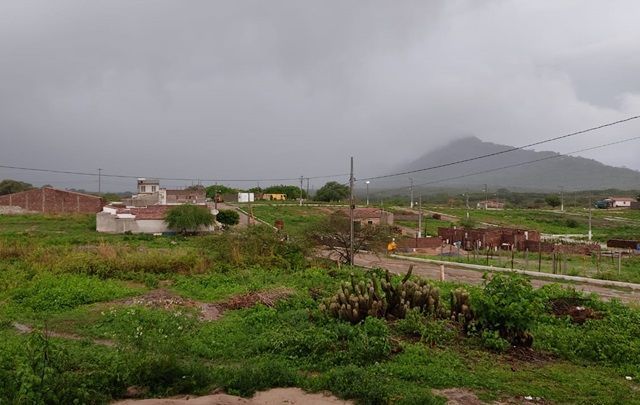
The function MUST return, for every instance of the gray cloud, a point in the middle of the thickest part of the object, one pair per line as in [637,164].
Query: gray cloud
[286,88]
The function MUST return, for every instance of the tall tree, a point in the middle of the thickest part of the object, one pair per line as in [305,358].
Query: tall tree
[332,191]
[9,186]
[219,189]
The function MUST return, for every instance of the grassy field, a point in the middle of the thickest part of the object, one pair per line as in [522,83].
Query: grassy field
[606,224]
[605,268]
[58,275]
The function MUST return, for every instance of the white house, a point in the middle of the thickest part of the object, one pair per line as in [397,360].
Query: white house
[121,219]
[621,202]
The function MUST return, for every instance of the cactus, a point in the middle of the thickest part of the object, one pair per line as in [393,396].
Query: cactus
[461,307]
[380,297]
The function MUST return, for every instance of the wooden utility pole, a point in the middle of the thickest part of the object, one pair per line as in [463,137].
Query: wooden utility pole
[301,191]
[351,208]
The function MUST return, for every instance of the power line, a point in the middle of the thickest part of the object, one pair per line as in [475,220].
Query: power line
[93,174]
[609,124]
[559,155]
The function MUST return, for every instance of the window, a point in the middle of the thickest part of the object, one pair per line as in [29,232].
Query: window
[370,222]
[153,189]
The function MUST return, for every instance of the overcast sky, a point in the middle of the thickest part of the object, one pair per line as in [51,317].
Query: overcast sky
[279,89]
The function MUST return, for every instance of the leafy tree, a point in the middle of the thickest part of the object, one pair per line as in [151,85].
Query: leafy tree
[333,234]
[219,189]
[9,186]
[291,192]
[228,217]
[552,200]
[188,218]
[468,223]
[332,191]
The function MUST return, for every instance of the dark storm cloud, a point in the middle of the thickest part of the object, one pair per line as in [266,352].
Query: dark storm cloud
[287,88]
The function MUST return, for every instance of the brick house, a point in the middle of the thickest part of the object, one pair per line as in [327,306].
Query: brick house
[489,237]
[370,216]
[48,200]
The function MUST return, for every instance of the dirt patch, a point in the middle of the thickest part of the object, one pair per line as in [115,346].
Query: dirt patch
[527,355]
[276,396]
[167,300]
[459,396]
[268,298]
[574,308]
[23,328]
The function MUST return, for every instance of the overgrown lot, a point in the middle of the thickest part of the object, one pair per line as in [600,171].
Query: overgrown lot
[102,338]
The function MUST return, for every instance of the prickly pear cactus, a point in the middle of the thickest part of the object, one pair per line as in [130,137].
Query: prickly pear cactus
[461,307]
[380,297]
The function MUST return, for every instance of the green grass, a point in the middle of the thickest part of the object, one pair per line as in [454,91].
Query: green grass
[295,218]
[68,287]
[554,222]
[572,265]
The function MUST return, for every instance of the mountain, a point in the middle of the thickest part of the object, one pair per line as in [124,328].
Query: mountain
[552,172]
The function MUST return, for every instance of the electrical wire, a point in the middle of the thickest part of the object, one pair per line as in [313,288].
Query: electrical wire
[609,124]
[557,156]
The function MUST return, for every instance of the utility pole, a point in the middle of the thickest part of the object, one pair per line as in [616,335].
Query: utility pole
[307,188]
[486,197]
[420,216]
[367,183]
[99,181]
[301,180]
[411,180]
[351,207]
[562,198]
[590,204]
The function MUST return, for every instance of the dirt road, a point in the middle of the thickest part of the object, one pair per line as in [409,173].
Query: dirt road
[467,276]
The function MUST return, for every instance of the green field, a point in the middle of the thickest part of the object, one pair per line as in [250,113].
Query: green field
[58,275]
[606,224]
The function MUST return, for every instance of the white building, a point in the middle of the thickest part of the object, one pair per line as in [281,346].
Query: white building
[621,202]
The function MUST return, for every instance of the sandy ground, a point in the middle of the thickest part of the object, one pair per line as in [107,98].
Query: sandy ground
[289,396]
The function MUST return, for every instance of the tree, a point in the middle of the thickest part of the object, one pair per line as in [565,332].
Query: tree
[552,200]
[188,218]
[292,192]
[219,189]
[333,234]
[228,217]
[9,186]
[332,191]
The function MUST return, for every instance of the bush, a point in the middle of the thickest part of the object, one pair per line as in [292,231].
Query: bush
[188,218]
[228,217]
[508,305]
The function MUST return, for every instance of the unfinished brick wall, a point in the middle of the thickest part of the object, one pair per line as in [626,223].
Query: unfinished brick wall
[53,201]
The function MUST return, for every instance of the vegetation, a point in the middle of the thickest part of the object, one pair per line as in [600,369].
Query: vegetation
[8,186]
[228,217]
[188,218]
[292,192]
[333,233]
[219,190]
[332,191]
[553,201]
[86,291]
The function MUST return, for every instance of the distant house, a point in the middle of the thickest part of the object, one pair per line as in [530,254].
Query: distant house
[117,218]
[274,196]
[50,200]
[150,193]
[621,202]
[187,196]
[490,204]
[370,216]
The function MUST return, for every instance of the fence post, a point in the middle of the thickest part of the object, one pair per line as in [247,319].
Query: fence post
[442,272]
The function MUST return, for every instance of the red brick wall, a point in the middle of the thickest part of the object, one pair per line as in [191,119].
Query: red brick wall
[421,243]
[53,201]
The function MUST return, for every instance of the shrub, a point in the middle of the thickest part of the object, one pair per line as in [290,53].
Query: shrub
[509,306]
[188,218]
[228,217]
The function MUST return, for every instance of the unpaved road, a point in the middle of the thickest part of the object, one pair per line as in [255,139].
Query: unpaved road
[467,276]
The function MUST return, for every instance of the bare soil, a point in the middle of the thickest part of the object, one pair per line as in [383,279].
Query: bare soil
[23,328]
[164,299]
[276,396]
